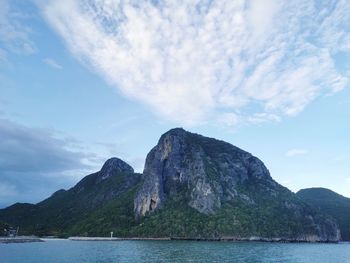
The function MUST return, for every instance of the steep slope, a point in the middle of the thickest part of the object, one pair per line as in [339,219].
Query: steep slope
[60,212]
[331,203]
[196,186]
[192,187]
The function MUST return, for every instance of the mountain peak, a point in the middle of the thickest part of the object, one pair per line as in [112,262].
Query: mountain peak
[178,131]
[186,177]
[206,170]
[114,166]
[318,190]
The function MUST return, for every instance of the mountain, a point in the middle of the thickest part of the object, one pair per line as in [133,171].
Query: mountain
[198,186]
[330,203]
[192,187]
[60,213]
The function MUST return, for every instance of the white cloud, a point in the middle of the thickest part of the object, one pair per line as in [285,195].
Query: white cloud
[347,180]
[197,61]
[263,117]
[228,119]
[295,152]
[14,31]
[52,63]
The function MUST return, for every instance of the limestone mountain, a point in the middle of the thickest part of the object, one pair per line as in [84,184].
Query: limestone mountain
[228,188]
[329,202]
[191,187]
[203,171]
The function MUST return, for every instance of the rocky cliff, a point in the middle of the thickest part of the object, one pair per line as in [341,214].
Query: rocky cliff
[202,170]
[192,187]
[209,176]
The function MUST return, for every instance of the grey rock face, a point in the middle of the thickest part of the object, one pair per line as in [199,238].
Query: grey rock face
[202,171]
[206,173]
[328,230]
[113,166]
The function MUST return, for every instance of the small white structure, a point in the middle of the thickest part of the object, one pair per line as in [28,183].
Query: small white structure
[111,234]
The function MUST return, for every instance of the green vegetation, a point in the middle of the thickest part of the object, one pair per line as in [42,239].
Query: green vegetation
[116,216]
[330,203]
[3,226]
[60,214]
[269,218]
[250,202]
[94,208]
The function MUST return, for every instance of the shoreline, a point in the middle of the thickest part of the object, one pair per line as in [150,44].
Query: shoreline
[220,239]
[119,238]
[29,239]
[256,239]
[20,239]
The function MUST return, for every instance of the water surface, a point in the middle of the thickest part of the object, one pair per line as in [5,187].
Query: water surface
[64,251]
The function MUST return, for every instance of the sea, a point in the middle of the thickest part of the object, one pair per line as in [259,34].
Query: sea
[64,251]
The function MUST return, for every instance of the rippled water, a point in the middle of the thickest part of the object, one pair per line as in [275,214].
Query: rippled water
[63,251]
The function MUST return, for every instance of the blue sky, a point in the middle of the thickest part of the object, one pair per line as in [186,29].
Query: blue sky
[81,81]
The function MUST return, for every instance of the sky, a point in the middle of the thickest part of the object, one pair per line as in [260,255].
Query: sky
[82,81]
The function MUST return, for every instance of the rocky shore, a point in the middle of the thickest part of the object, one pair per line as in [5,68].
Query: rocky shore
[20,239]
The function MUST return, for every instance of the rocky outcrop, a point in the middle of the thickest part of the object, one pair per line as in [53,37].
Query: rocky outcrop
[193,187]
[205,174]
[114,166]
[203,171]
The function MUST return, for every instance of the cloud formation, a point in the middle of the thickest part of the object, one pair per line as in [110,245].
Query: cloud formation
[52,63]
[295,152]
[34,163]
[14,32]
[202,60]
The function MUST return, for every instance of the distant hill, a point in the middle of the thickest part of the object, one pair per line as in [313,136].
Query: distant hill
[330,203]
[61,213]
[192,187]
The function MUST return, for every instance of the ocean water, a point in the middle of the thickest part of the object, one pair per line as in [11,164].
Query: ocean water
[62,251]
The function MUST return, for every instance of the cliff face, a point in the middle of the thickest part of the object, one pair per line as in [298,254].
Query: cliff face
[209,175]
[192,187]
[201,170]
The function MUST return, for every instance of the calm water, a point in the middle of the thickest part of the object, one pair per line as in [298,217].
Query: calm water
[172,251]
